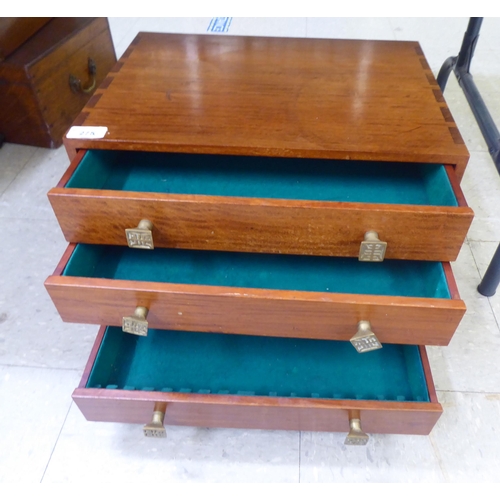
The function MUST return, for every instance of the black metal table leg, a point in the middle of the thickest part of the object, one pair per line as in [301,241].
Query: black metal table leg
[445,71]
[461,66]
[489,284]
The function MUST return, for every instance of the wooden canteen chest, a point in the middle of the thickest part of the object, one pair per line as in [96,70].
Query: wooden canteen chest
[285,208]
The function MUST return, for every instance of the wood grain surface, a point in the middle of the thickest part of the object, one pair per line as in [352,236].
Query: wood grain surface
[14,31]
[37,103]
[333,316]
[428,375]
[316,98]
[255,412]
[262,225]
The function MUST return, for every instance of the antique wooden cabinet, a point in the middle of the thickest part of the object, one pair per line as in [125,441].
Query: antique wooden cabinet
[14,31]
[270,221]
[47,80]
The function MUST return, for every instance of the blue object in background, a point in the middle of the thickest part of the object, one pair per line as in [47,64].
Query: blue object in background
[219,24]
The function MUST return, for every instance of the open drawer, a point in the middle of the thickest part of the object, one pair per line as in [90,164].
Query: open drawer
[404,302]
[261,204]
[215,380]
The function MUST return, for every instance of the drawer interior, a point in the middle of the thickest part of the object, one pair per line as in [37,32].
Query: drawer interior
[263,177]
[176,361]
[267,271]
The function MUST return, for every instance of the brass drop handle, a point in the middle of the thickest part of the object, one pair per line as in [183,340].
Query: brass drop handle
[365,340]
[372,249]
[76,84]
[356,435]
[155,428]
[136,324]
[141,236]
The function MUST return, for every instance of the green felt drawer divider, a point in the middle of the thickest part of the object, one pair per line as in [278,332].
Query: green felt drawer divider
[264,271]
[263,177]
[177,361]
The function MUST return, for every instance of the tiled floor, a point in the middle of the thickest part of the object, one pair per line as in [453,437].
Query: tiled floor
[43,436]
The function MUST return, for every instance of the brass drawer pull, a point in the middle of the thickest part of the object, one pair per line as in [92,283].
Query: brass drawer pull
[137,323]
[155,428]
[372,249]
[365,340]
[141,236]
[356,435]
[76,84]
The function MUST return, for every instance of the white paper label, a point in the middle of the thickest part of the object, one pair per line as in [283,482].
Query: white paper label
[86,132]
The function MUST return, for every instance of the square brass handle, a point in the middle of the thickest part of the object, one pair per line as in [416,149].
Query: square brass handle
[365,340]
[136,324]
[155,428]
[372,249]
[141,236]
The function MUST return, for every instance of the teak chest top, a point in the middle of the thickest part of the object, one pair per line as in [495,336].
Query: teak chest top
[337,99]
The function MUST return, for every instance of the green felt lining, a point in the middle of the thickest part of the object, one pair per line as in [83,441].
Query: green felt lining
[174,361]
[262,177]
[254,270]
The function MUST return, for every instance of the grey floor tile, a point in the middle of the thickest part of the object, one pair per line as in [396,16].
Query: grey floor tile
[469,362]
[360,28]
[195,25]
[108,452]
[294,27]
[486,229]
[486,63]
[481,185]
[198,25]
[13,158]
[31,331]
[464,117]
[439,38]
[495,305]
[35,403]
[464,268]
[387,459]
[466,436]
[488,84]
[483,252]
[26,196]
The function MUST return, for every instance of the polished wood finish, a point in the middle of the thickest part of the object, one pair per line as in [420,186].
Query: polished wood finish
[256,412]
[343,99]
[37,103]
[338,99]
[262,225]
[428,375]
[331,316]
[14,31]
[450,279]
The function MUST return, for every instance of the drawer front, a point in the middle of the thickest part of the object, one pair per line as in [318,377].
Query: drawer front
[268,312]
[252,224]
[243,411]
[246,412]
